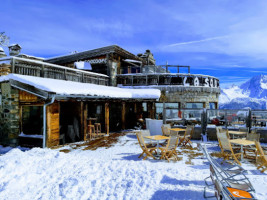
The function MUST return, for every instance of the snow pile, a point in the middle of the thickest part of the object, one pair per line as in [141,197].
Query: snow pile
[62,87]
[112,173]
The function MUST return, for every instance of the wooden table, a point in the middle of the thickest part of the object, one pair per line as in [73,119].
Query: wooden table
[237,133]
[242,142]
[177,130]
[157,138]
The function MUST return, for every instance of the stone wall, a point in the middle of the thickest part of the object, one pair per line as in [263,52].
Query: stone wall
[183,96]
[9,118]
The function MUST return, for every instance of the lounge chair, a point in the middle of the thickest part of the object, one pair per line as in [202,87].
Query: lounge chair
[170,149]
[261,156]
[227,182]
[186,139]
[146,148]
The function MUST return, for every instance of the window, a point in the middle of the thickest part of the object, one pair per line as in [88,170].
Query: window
[194,105]
[32,120]
[212,105]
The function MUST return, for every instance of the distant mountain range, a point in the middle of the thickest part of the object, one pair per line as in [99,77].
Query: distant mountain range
[252,94]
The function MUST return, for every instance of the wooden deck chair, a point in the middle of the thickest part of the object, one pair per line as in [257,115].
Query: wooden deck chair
[170,149]
[91,132]
[249,151]
[166,129]
[253,136]
[261,156]
[243,129]
[98,130]
[148,142]
[226,148]
[146,150]
[186,139]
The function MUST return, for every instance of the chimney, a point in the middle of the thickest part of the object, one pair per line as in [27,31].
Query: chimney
[14,49]
[2,53]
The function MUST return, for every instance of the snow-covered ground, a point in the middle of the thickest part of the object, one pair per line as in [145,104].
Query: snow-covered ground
[107,173]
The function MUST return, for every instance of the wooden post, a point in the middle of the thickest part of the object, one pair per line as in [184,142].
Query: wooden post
[153,110]
[85,108]
[52,120]
[107,118]
[123,115]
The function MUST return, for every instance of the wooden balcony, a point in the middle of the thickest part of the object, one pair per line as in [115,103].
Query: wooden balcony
[31,67]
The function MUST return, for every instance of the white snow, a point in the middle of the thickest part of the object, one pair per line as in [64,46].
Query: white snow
[107,173]
[134,61]
[30,136]
[231,93]
[62,87]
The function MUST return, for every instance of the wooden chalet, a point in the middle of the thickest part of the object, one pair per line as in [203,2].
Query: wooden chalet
[51,102]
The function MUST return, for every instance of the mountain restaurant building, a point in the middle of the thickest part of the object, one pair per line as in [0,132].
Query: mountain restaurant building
[47,102]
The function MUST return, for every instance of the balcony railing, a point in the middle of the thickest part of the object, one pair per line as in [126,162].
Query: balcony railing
[42,69]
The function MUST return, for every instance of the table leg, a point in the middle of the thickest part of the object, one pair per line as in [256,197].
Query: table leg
[157,148]
[241,152]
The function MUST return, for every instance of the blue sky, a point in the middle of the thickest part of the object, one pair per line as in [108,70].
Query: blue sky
[226,39]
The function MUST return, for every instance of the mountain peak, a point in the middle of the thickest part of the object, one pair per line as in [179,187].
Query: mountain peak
[254,88]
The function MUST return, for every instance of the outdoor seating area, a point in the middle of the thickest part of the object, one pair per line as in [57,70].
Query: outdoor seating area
[170,139]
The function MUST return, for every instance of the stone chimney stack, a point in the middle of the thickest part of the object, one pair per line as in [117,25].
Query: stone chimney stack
[2,53]
[14,49]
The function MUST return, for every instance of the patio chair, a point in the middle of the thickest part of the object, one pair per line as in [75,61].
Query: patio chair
[243,129]
[261,156]
[186,138]
[227,149]
[91,132]
[227,181]
[146,149]
[166,129]
[170,149]
[253,136]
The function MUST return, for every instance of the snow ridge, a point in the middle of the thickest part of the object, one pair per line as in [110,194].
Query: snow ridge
[252,93]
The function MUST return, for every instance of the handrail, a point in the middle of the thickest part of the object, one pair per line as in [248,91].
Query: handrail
[42,69]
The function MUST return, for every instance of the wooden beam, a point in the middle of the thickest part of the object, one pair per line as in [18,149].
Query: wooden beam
[85,113]
[107,118]
[123,114]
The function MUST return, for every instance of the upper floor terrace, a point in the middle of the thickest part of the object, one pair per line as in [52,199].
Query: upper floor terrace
[39,68]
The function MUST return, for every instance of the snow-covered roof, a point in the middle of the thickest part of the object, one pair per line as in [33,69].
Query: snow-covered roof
[70,88]
[134,61]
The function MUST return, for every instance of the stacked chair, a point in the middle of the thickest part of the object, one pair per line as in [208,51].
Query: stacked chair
[228,183]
